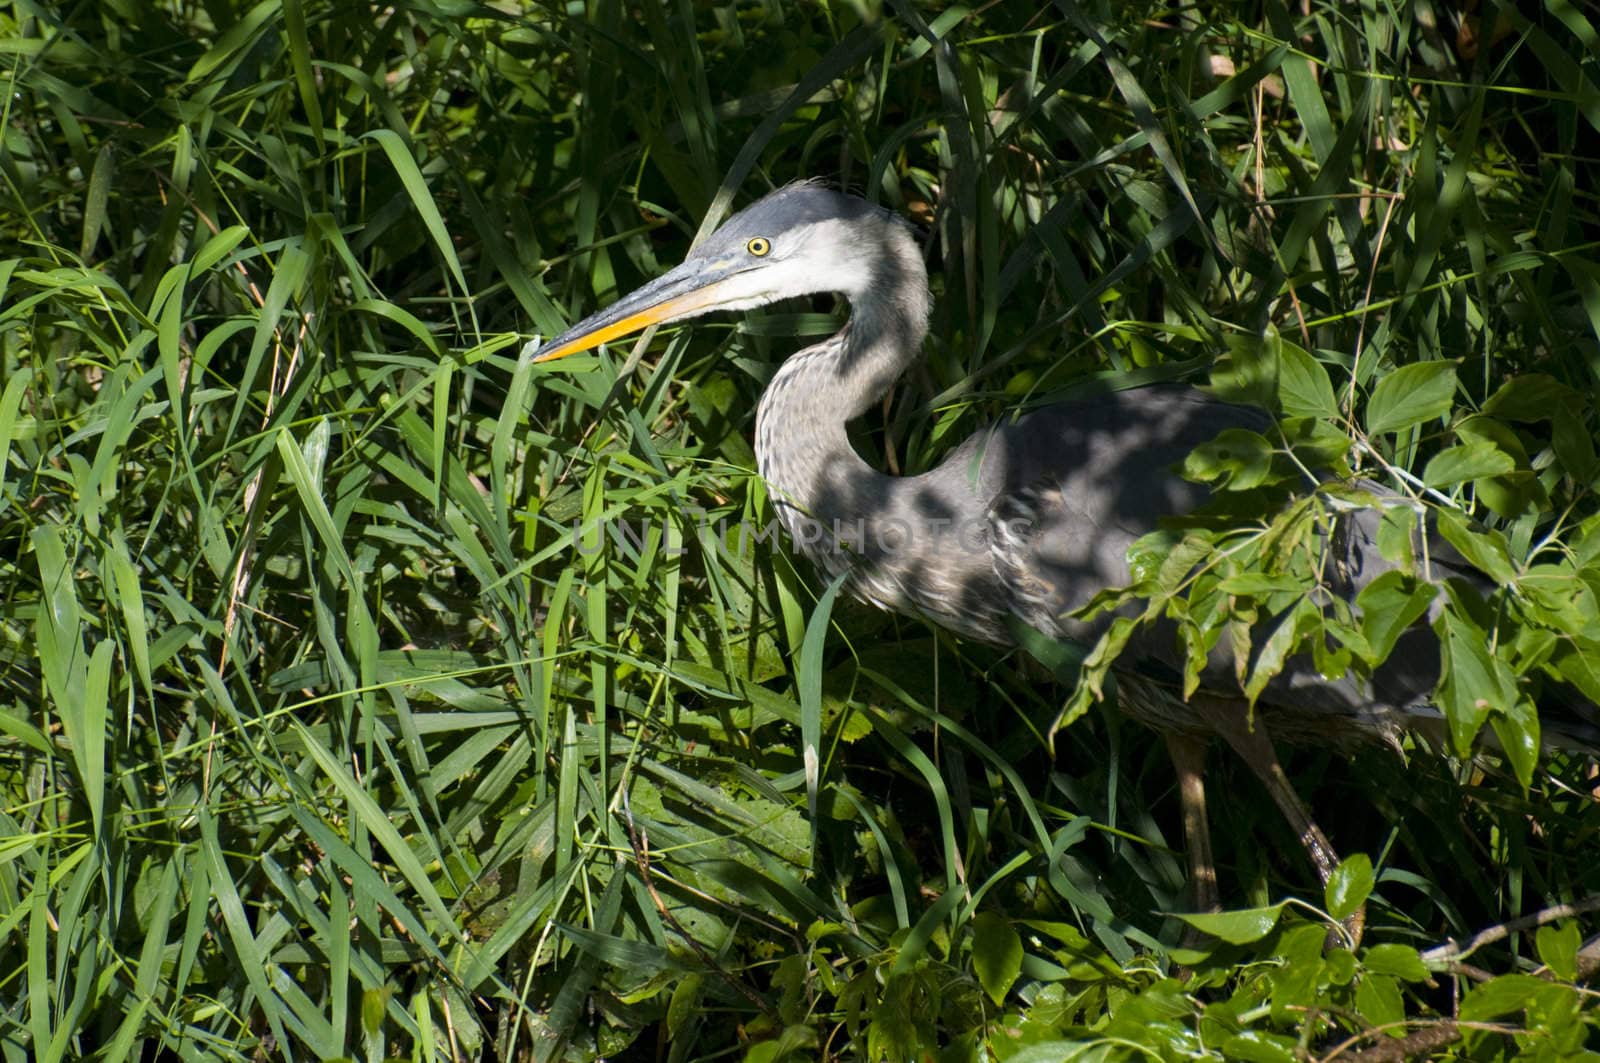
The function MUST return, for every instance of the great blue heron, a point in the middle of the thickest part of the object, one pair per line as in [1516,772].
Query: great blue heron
[1024,522]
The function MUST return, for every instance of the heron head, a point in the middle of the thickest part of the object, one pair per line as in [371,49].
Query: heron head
[800,240]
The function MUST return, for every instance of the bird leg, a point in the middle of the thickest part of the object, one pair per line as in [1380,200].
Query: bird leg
[1188,754]
[1249,739]
[1231,719]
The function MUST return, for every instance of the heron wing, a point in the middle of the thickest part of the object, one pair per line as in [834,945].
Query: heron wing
[1078,482]
[1085,479]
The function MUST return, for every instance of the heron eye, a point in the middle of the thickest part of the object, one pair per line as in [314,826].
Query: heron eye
[758,246]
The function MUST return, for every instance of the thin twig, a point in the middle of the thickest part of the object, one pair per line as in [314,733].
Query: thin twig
[1398,1049]
[1454,950]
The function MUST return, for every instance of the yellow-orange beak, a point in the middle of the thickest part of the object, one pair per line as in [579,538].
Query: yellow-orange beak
[694,287]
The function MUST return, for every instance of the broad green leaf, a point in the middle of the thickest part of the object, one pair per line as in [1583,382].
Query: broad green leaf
[1397,536]
[1256,1046]
[1238,927]
[1465,462]
[1304,389]
[1529,397]
[1512,494]
[1517,727]
[1336,647]
[1237,460]
[996,954]
[1473,683]
[1411,395]
[1279,646]
[1579,664]
[1481,428]
[1340,967]
[1258,583]
[1175,563]
[1485,549]
[1558,948]
[1389,606]
[1317,443]
[1380,1003]
[1564,598]
[1069,936]
[1247,372]
[1349,886]
[1300,949]
[1399,961]
[793,1043]
[1093,673]
[1500,996]
[1052,1052]
[1574,446]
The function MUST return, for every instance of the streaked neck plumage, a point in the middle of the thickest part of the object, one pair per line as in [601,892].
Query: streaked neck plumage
[803,448]
[909,544]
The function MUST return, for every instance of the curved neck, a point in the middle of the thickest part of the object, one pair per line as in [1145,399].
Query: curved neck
[911,544]
[800,425]
[802,444]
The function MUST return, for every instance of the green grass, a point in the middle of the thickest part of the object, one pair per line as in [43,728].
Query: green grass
[334,721]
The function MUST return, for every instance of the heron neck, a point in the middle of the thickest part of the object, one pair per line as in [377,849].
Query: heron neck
[829,499]
[906,543]
[803,446]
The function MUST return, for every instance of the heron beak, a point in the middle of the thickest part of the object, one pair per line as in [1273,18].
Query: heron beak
[689,289]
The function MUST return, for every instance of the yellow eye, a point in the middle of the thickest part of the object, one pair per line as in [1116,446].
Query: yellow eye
[758,246]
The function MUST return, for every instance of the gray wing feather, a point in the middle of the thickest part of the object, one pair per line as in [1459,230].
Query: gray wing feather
[1084,480]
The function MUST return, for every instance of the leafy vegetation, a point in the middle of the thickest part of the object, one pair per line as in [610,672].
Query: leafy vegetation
[368,690]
